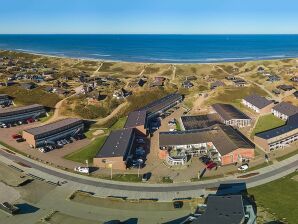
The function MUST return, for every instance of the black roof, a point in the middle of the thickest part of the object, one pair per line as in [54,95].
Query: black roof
[228,112]
[19,110]
[223,210]
[258,101]
[291,125]
[286,108]
[159,104]
[51,127]
[199,121]
[136,118]
[117,144]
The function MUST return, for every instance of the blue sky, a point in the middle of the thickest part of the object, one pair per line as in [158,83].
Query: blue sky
[149,16]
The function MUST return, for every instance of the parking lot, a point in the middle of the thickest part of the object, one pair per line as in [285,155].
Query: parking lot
[55,156]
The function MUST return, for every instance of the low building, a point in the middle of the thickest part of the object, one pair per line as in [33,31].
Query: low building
[230,115]
[14,114]
[4,99]
[198,121]
[284,110]
[159,106]
[226,210]
[216,84]
[137,119]
[222,143]
[285,87]
[258,103]
[116,150]
[187,84]
[279,137]
[239,82]
[50,133]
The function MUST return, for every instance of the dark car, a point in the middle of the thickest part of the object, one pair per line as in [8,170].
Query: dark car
[146,176]
[178,204]
[205,159]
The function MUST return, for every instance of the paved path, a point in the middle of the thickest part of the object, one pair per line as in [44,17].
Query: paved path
[140,190]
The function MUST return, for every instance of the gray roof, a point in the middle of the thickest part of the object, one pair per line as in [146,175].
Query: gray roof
[258,101]
[136,118]
[291,125]
[159,104]
[286,108]
[51,127]
[19,110]
[224,138]
[223,210]
[117,144]
[228,112]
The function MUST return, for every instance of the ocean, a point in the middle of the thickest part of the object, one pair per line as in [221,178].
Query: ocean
[157,48]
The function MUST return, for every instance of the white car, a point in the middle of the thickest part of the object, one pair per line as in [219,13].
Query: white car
[81,169]
[243,167]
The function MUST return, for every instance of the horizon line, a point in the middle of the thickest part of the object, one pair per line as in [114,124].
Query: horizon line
[149,34]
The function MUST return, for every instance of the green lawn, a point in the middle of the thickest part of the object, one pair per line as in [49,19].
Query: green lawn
[87,152]
[119,123]
[279,197]
[267,122]
[287,155]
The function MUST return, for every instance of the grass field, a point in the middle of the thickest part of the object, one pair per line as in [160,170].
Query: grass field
[27,97]
[267,122]
[287,155]
[119,123]
[279,197]
[87,152]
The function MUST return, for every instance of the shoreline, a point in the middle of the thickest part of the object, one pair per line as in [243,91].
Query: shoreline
[272,58]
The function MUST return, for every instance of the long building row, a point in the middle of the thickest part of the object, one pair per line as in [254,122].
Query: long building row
[120,146]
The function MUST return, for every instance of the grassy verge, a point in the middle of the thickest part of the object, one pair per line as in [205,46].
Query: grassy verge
[119,123]
[287,155]
[178,126]
[127,177]
[12,148]
[166,180]
[88,152]
[44,119]
[279,198]
[262,165]
[267,122]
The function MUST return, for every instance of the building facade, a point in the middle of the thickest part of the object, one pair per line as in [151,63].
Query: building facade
[258,104]
[15,114]
[117,150]
[50,133]
[230,115]
[4,99]
[221,143]
[279,137]
[284,110]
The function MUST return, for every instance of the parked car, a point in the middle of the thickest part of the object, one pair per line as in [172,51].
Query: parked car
[146,176]
[30,120]
[178,204]
[243,167]
[20,140]
[82,169]
[140,140]
[211,165]
[205,159]
[16,136]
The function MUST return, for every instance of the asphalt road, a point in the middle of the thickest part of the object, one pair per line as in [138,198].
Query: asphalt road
[151,187]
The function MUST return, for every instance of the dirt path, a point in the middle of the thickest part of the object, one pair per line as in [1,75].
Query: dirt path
[58,106]
[111,115]
[197,105]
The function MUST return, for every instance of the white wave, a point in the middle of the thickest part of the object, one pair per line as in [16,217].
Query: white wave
[102,55]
